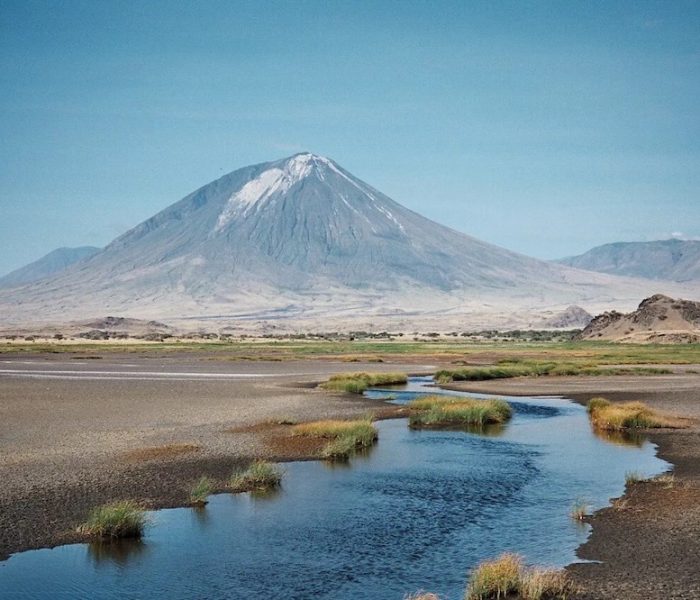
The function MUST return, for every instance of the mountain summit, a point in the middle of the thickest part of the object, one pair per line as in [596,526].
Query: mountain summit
[298,237]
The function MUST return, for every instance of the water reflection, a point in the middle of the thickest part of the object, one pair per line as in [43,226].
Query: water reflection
[115,552]
[620,438]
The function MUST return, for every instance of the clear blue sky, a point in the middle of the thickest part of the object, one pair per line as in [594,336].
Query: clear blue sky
[545,127]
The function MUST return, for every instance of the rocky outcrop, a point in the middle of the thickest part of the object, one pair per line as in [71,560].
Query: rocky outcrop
[658,319]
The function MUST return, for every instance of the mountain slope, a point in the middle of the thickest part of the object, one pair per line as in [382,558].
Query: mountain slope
[676,260]
[301,238]
[52,263]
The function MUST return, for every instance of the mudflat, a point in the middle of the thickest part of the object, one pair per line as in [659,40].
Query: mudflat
[76,433]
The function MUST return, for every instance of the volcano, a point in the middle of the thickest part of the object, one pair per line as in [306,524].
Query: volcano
[300,237]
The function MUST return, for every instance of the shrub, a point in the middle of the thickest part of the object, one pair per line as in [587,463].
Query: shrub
[445,411]
[123,519]
[261,475]
[201,491]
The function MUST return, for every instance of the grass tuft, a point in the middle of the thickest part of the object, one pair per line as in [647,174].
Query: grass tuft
[633,477]
[261,475]
[200,491]
[345,437]
[495,578]
[122,519]
[358,383]
[626,415]
[544,584]
[455,411]
[507,577]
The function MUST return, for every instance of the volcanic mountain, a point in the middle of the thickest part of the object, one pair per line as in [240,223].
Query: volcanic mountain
[303,238]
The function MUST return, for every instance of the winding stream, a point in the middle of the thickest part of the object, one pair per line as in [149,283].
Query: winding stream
[416,512]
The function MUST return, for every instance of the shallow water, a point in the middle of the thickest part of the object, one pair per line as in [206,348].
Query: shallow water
[416,512]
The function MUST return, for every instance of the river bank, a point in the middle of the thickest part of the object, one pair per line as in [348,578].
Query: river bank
[647,544]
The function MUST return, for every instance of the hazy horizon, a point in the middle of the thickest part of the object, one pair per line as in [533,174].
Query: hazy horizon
[547,129]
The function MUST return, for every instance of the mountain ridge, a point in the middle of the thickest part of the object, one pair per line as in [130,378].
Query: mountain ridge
[672,259]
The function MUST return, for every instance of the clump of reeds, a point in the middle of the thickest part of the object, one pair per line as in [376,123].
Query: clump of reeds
[345,437]
[626,415]
[357,383]
[506,576]
[632,477]
[455,411]
[495,578]
[122,519]
[201,491]
[261,475]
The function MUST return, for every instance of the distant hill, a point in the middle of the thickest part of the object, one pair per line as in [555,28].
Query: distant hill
[674,260]
[50,264]
[658,319]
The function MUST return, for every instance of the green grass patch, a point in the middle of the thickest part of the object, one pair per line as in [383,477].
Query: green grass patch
[200,491]
[507,369]
[357,383]
[123,519]
[456,411]
[345,437]
[259,476]
[506,577]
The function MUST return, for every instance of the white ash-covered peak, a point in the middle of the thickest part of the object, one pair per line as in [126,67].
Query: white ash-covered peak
[277,179]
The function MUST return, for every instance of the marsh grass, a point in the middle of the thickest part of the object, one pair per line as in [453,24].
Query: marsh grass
[122,519]
[544,584]
[507,577]
[510,368]
[261,475]
[455,411]
[357,383]
[627,415]
[345,437]
[632,477]
[200,491]
[495,578]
